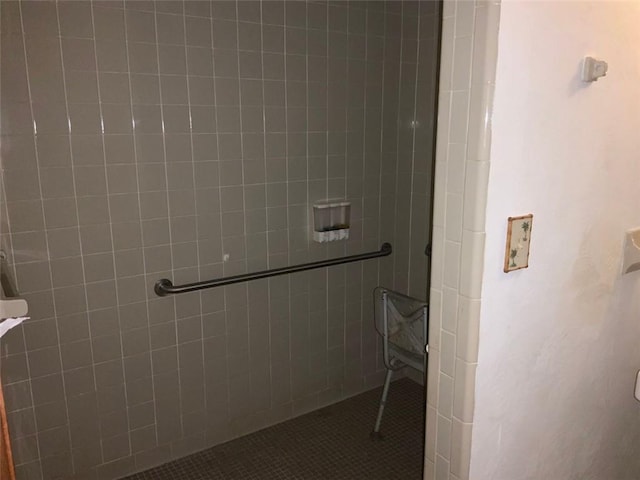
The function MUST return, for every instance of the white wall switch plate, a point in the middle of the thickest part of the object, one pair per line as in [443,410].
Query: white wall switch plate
[516,255]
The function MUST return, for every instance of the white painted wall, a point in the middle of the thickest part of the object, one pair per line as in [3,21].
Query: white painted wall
[560,341]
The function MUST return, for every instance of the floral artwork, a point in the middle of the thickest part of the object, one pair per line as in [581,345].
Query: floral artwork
[518,239]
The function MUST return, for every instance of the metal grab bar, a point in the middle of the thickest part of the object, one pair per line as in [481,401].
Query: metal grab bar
[165,286]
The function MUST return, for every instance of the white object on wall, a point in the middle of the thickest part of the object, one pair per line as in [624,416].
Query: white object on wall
[9,323]
[631,256]
[13,307]
[593,69]
[341,234]
[331,220]
[637,392]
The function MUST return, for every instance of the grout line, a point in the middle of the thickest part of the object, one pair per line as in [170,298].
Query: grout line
[324,248]
[342,268]
[166,174]
[142,248]
[224,296]
[379,262]
[244,235]
[413,155]
[75,194]
[53,301]
[266,234]
[108,195]
[9,256]
[364,156]
[286,135]
[397,141]
[198,296]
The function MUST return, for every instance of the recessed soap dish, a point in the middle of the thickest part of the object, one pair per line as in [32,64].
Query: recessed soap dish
[331,221]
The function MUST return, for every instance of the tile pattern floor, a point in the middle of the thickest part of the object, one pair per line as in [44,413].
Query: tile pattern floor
[331,443]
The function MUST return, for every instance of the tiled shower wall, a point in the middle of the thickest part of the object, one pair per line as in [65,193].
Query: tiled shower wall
[187,140]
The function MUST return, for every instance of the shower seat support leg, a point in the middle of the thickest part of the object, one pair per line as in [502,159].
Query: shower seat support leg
[385,391]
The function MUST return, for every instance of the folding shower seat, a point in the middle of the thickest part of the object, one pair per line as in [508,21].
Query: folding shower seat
[402,322]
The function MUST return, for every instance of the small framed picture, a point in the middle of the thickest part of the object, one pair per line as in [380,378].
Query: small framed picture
[516,255]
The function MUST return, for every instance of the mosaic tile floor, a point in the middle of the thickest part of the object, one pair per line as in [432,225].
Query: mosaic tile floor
[329,444]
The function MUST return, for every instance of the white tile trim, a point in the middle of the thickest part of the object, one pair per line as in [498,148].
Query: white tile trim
[467,78]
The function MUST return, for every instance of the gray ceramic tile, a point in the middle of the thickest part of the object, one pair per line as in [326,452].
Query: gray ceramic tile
[199,61]
[198,32]
[75,19]
[143,57]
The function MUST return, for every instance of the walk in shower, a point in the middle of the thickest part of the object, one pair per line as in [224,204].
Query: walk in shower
[189,141]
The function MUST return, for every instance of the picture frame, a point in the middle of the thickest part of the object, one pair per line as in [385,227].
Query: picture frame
[516,255]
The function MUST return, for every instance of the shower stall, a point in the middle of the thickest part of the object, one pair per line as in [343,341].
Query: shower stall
[189,140]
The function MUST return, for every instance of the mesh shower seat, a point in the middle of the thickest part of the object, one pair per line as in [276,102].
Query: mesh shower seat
[402,322]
